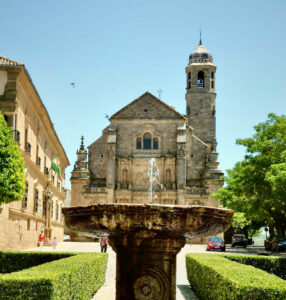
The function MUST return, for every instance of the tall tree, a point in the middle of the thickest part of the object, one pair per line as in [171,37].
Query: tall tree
[256,186]
[12,175]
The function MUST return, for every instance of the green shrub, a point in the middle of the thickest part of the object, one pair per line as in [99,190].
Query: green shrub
[76,277]
[216,277]
[16,261]
[271,264]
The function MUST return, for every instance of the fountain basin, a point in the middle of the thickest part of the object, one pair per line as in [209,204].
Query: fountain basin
[146,239]
[121,219]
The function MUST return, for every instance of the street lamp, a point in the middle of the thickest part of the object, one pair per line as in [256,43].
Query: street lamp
[48,229]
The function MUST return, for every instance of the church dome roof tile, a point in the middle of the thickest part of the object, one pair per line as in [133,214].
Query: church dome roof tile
[200,55]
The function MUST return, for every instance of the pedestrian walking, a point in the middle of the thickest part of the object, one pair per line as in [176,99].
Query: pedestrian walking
[55,242]
[103,244]
[41,239]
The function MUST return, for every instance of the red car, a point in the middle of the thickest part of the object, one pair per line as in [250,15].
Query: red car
[215,243]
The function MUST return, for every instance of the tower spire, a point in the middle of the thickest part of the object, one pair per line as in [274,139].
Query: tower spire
[200,37]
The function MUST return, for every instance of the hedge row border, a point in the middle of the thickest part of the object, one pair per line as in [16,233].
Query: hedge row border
[78,276]
[214,276]
[271,264]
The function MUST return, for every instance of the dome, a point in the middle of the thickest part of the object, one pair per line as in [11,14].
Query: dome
[200,55]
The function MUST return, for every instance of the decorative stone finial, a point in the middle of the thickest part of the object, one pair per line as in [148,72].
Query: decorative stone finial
[82,144]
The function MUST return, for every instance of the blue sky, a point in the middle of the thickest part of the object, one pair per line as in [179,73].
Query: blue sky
[115,50]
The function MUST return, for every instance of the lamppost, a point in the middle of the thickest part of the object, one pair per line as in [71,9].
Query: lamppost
[48,229]
[266,230]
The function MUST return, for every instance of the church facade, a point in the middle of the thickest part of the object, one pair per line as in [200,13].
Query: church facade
[114,168]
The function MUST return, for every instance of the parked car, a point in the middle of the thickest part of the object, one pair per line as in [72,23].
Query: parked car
[239,240]
[215,243]
[278,244]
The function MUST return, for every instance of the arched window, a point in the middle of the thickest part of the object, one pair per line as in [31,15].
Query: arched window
[201,79]
[212,84]
[188,110]
[155,144]
[212,75]
[189,75]
[189,84]
[138,143]
[147,141]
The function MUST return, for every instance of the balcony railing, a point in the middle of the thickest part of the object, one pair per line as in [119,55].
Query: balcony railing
[195,190]
[92,189]
[123,185]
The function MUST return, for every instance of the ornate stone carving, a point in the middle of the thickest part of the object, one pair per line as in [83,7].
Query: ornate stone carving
[151,283]
[141,178]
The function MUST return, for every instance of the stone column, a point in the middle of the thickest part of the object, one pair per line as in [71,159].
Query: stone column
[146,266]
[111,164]
[181,164]
[48,228]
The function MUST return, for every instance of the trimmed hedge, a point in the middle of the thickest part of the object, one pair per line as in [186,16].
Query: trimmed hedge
[76,277]
[16,261]
[216,277]
[273,265]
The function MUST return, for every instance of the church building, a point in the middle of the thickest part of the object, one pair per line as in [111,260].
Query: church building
[114,168]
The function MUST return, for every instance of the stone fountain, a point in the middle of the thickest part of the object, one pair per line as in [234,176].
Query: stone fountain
[146,239]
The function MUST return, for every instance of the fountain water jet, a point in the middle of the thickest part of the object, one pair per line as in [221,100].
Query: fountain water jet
[153,173]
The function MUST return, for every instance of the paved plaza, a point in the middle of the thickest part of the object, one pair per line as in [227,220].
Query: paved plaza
[107,291]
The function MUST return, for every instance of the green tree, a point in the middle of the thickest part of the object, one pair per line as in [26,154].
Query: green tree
[242,224]
[256,186]
[12,175]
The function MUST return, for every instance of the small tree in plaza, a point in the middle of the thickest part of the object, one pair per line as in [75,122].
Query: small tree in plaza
[12,175]
[256,186]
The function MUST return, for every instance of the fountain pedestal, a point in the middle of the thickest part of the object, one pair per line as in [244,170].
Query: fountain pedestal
[146,266]
[146,239]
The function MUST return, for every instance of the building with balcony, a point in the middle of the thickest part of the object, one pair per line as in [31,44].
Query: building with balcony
[40,209]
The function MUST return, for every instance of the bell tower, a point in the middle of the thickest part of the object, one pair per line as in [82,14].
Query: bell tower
[201,95]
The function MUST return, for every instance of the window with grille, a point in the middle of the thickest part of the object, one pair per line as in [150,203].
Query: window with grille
[147,141]
[155,144]
[25,199]
[36,201]
[138,143]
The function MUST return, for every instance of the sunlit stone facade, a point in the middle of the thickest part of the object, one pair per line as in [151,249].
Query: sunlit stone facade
[114,168]
[40,209]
